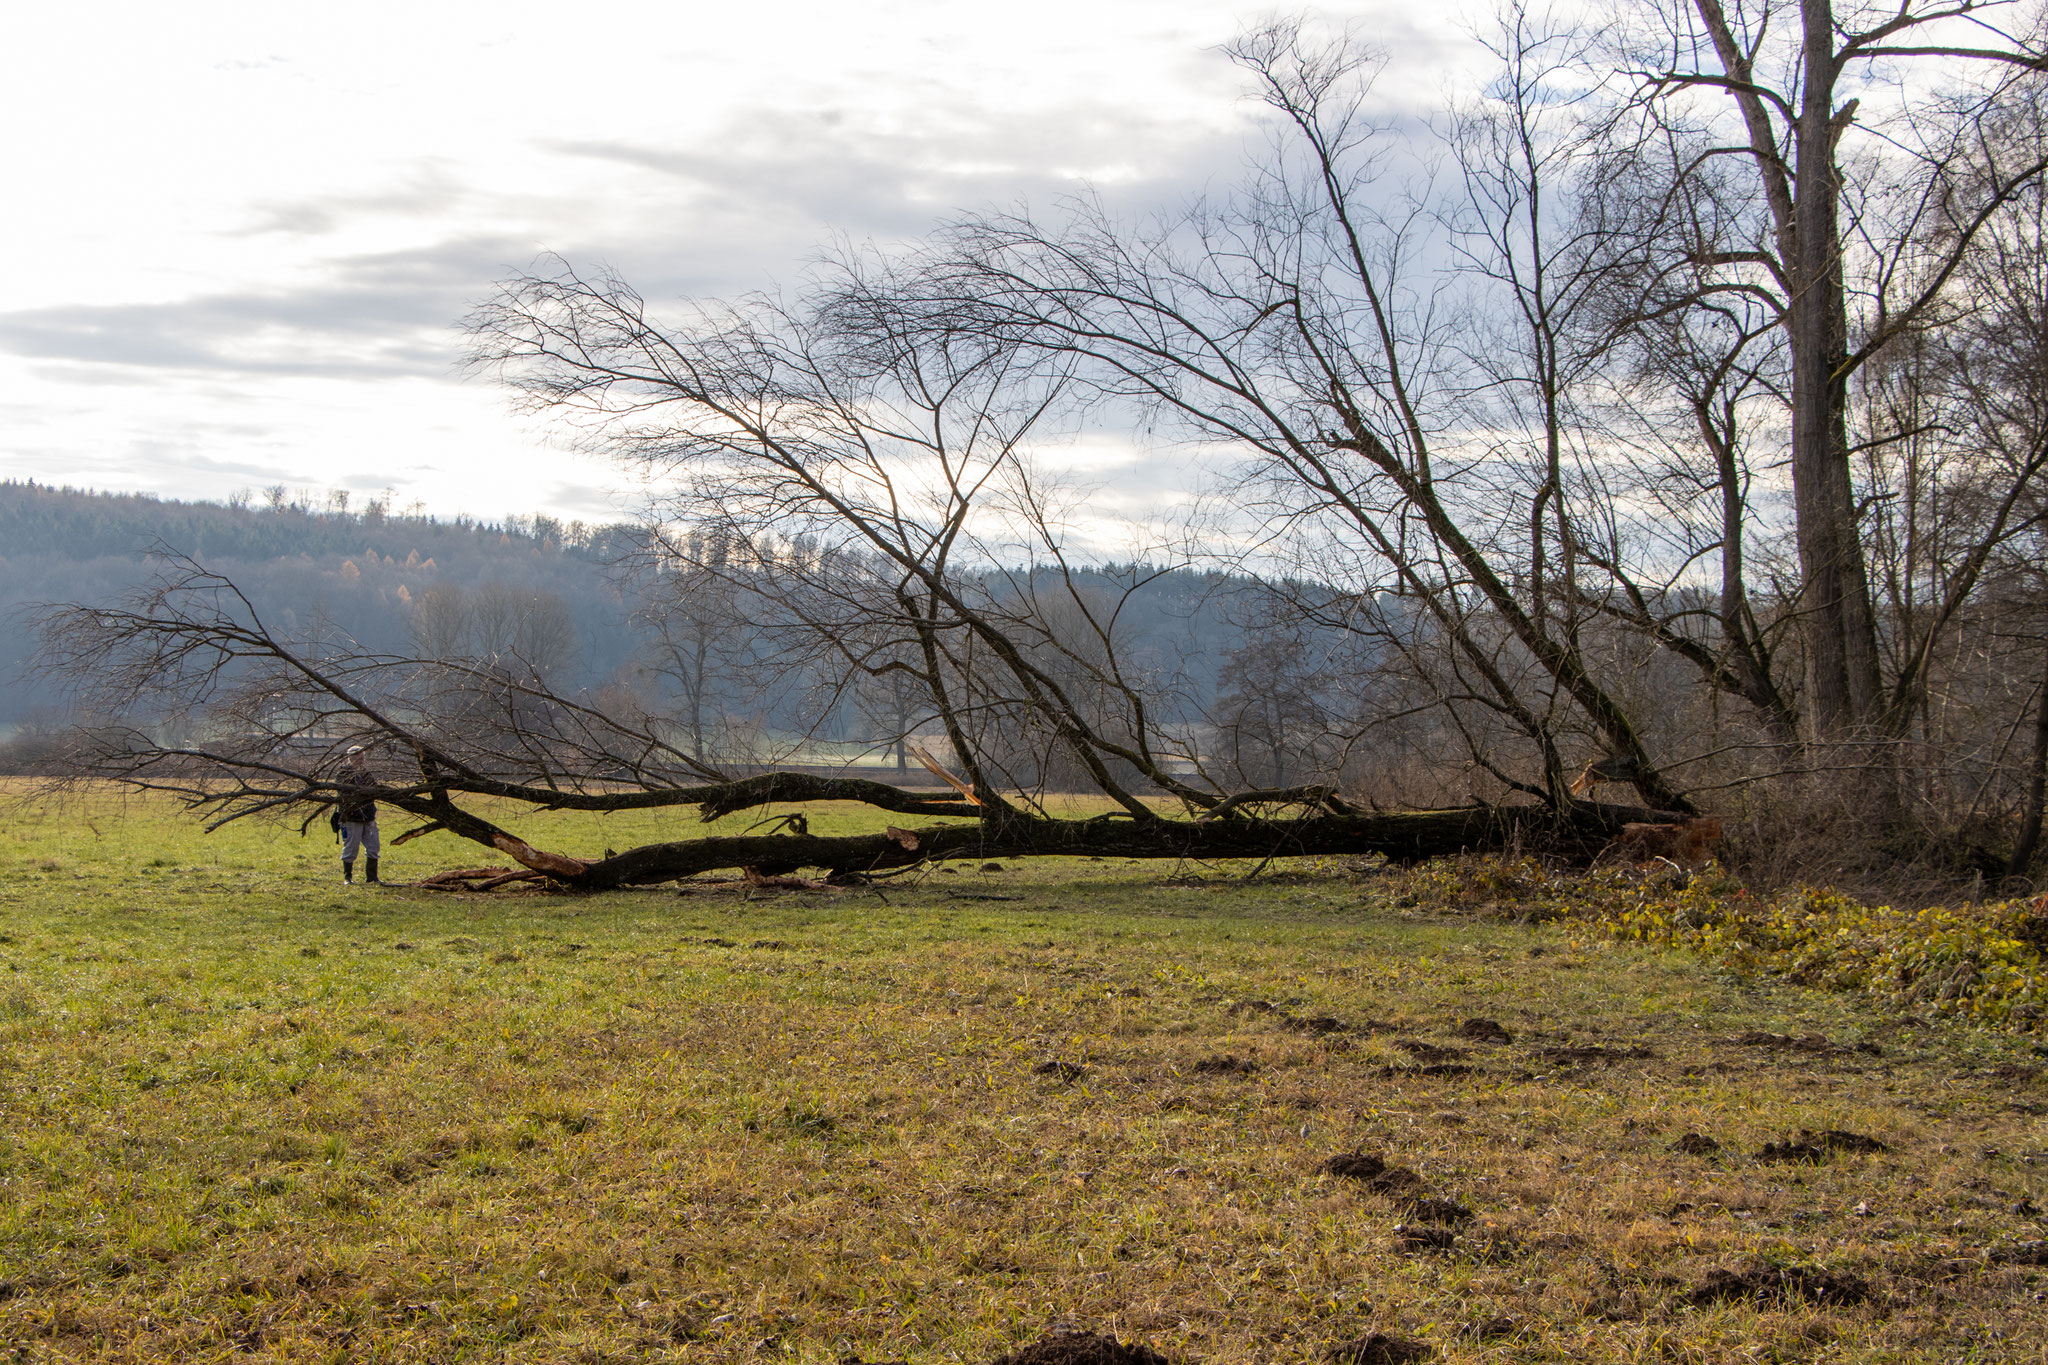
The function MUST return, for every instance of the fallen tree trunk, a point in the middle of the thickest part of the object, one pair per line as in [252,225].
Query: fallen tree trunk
[1404,836]
[284,730]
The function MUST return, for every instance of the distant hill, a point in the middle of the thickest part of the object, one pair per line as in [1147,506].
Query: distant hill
[542,587]
[37,520]
[363,569]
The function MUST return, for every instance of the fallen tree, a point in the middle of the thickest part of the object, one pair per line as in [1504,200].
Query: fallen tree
[266,723]
[849,474]
[1401,836]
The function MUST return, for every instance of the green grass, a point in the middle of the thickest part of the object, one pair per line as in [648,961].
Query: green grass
[246,1112]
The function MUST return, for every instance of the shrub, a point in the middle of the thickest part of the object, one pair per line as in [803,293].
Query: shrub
[1981,963]
[1987,964]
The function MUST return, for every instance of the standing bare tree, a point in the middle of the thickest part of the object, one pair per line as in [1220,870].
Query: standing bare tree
[1865,182]
[704,648]
[1439,463]
[441,622]
[1277,718]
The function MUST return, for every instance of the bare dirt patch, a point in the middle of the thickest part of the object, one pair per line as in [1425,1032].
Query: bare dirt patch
[1393,1073]
[1770,1284]
[1317,1024]
[1804,1042]
[1597,1054]
[1422,1237]
[1379,1349]
[2021,1253]
[1438,1212]
[1354,1166]
[1396,1182]
[1816,1147]
[1485,1031]
[1229,1064]
[1081,1348]
[1424,1209]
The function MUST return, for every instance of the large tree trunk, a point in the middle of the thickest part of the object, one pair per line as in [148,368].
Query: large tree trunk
[1841,637]
[1404,836]
[2029,842]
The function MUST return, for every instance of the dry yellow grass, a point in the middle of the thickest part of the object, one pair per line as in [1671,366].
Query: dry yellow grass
[251,1114]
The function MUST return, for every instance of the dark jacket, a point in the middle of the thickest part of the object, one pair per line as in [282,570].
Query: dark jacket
[358,810]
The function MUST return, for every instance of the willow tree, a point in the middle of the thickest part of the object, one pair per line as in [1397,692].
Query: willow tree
[1829,174]
[873,493]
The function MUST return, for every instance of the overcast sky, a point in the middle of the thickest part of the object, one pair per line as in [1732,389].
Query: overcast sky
[241,234]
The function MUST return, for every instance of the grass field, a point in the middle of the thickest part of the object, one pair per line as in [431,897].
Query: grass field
[250,1113]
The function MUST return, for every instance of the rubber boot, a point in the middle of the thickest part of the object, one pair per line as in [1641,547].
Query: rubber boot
[348,870]
[370,872]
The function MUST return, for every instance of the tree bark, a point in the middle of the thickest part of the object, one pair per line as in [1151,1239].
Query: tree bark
[1841,634]
[2037,794]
[1404,836]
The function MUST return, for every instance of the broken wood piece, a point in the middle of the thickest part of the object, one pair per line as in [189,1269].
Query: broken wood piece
[782,882]
[479,878]
[555,864]
[939,771]
[457,874]
[518,875]
[1613,768]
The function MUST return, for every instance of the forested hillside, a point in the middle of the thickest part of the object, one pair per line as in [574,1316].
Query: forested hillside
[365,571]
[570,601]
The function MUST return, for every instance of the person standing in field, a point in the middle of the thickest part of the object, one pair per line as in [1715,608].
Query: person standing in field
[358,818]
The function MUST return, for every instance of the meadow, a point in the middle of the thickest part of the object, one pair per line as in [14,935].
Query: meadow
[248,1113]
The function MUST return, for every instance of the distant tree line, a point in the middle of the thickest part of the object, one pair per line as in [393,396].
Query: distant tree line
[599,611]
[310,565]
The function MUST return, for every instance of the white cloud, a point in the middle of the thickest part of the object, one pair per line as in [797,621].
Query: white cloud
[253,228]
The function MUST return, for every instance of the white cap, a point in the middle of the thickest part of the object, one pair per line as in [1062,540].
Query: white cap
[355,748]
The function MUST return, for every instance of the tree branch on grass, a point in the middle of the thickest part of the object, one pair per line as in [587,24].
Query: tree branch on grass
[265,724]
